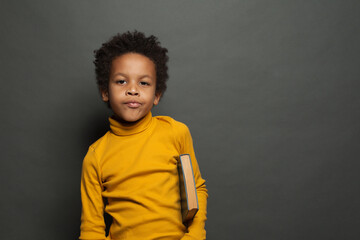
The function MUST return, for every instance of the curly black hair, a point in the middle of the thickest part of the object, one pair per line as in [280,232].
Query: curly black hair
[131,42]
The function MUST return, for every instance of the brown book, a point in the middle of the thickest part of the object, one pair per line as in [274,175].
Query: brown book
[188,194]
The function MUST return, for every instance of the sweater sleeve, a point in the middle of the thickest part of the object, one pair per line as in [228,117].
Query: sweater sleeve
[92,213]
[196,228]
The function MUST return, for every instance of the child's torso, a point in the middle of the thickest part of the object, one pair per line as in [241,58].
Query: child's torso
[140,183]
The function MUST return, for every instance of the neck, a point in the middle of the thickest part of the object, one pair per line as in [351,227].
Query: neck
[126,123]
[122,128]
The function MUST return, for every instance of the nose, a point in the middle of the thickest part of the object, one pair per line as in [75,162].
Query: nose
[132,90]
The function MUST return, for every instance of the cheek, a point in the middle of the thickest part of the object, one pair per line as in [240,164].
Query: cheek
[116,93]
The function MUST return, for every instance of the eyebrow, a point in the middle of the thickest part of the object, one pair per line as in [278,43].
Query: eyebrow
[125,75]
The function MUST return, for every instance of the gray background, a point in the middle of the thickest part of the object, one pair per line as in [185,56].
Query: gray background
[269,90]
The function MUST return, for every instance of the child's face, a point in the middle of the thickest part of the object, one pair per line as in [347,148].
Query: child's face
[132,86]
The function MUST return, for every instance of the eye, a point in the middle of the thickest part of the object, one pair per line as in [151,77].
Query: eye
[142,83]
[121,82]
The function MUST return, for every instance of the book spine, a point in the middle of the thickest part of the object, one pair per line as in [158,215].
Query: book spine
[192,171]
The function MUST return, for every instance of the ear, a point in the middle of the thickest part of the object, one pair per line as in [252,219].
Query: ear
[105,96]
[157,98]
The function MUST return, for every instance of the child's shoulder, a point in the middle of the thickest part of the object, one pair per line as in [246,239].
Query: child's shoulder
[169,122]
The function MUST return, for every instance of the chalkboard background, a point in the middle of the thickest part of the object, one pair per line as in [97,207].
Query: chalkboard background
[269,90]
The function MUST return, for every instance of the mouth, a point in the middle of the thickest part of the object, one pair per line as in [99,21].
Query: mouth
[133,104]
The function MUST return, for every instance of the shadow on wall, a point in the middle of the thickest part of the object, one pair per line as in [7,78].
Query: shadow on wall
[95,127]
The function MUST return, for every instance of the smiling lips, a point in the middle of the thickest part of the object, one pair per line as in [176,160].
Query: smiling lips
[133,104]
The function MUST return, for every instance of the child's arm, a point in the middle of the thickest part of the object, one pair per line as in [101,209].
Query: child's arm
[92,214]
[196,228]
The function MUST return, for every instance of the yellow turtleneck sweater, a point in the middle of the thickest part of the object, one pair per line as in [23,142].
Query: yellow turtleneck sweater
[135,169]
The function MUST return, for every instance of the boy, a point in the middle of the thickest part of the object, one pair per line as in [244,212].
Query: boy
[134,165]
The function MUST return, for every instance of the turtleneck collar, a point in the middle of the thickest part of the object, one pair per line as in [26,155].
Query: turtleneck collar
[122,130]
